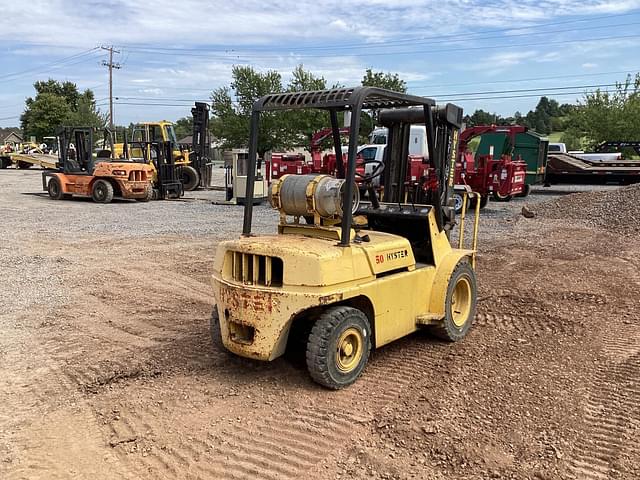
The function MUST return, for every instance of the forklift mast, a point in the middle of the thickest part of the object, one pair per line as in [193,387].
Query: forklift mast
[200,157]
[75,154]
[443,128]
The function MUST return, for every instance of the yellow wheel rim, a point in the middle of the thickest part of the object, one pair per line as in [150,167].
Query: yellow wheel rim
[461,302]
[349,350]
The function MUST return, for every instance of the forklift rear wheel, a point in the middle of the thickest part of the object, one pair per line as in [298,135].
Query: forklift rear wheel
[189,177]
[102,191]
[501,198]
[55,189]
[460,306]
[5,162]
[214,330]
[338,347]
[24,165]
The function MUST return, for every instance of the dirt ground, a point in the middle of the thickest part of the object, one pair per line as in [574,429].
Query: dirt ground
[107,370]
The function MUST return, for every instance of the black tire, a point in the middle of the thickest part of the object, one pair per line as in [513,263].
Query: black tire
[148,195]
[329,365]
[456,324]
[102,191]
[54,187]
[189,177]
[5,162]
[24,165]
[525,191]
[484,199]
[502,198]
[214,330]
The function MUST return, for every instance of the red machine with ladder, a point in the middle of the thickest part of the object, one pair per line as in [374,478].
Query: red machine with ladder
[497,174]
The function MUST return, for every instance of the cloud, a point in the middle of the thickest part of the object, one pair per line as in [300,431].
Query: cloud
[190,46]
[589,65]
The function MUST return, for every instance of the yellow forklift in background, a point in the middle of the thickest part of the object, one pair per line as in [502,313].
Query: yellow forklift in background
[193,166]
[161,132]
[347,276]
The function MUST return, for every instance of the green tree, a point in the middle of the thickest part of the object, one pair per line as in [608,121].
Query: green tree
[57,104]
[480,117]
[390,81]
[231,110]
[302,124]
[603,115]
[44,114]
[387,80]
[86,114]
[184,127]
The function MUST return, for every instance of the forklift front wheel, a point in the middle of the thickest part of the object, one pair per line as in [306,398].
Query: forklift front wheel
[189,177]
[55,189]
[460,306]
[338,347]
[102,191]
[148,195]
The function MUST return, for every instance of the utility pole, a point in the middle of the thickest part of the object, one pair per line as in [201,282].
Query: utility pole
[111,66]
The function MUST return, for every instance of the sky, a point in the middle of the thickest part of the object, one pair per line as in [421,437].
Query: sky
[500,55]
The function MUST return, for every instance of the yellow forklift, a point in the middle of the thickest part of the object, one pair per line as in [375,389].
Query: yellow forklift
[193,166]
[347,276]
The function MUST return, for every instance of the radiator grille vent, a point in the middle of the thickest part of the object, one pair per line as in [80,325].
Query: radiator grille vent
[255,269]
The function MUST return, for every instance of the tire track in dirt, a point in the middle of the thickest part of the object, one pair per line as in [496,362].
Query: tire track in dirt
[287,440]
[612,412]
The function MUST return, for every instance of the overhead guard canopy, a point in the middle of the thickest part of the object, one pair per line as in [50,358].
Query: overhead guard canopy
[340,99]
[353,99]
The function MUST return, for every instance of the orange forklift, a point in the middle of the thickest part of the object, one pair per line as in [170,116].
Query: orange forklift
[102,178]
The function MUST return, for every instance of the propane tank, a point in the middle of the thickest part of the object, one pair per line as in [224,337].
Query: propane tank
[302,195]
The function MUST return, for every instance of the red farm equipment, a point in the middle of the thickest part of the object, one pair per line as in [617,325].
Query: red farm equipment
[297,164]
[496,174]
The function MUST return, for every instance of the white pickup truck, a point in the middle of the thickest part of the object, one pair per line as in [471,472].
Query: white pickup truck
[594,157]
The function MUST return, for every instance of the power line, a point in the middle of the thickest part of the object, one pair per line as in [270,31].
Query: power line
[54,64]
[437,96]
[505,97]
[530,79]
[545,89]
[248,57]
[461,37]
[406,39]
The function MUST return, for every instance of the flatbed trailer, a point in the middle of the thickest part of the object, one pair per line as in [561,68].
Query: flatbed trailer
[27,160]
[566,168]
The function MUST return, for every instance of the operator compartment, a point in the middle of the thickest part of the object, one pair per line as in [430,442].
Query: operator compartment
[411,222]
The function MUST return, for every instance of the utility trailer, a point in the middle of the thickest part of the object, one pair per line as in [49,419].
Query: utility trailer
[566,168]
[28,160]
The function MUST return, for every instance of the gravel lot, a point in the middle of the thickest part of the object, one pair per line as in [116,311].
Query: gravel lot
[107,369]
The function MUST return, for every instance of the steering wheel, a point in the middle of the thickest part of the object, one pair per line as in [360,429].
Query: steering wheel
[377,170]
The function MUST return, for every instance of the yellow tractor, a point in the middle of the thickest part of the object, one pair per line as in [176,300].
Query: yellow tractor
[344,275]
